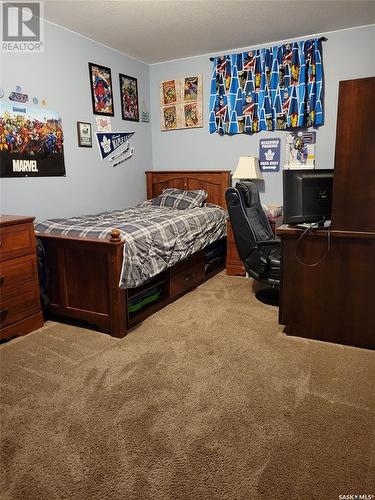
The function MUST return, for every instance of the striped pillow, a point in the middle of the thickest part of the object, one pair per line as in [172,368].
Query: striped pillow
[181,199]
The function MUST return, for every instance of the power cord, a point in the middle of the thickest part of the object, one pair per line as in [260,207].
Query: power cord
[325,253]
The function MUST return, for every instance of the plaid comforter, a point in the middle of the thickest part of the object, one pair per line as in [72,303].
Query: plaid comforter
[155,237]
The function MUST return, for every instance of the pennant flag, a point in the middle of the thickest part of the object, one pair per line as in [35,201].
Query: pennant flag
[110,141]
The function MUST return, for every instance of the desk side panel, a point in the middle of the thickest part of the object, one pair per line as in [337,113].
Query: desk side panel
[333,301]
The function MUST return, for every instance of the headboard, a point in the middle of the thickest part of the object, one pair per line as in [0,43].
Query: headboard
[215,182]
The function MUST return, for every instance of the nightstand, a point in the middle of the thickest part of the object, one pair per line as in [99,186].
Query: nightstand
[234,264]
[20,311]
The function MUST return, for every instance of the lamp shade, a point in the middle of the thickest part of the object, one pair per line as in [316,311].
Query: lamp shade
[248,168]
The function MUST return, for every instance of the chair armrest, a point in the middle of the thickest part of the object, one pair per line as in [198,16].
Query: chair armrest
[270,243]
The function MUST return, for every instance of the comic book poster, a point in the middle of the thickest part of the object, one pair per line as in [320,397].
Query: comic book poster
[31,142]
[300,150]
[169,91]
[191,88]
[129,98]
[181,103]
[192,115]
[101,90]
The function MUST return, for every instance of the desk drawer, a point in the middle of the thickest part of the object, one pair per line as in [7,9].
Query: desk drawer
[16,240]
[19,304]
[16,272]
[186,274]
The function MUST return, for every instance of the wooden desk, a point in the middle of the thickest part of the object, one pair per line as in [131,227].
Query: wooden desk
[335,300]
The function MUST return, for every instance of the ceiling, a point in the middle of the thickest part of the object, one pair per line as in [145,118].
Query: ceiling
[155,31]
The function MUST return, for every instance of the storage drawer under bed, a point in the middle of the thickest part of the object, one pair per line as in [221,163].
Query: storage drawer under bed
[186,274]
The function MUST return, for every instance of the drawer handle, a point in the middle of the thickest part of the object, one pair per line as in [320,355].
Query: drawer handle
[188,277]
[2,278]
[3,313]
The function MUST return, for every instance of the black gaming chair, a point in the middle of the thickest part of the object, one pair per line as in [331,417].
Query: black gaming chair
[256,244]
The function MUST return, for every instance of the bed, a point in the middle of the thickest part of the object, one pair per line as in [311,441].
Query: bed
[85,272]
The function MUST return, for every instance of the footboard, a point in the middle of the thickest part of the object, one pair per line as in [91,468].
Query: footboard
[83,279]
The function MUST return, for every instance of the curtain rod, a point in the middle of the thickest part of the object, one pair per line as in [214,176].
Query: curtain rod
[321,39]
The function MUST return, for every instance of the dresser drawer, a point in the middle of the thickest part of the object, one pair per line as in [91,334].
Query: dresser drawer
[16,272]
[16,240]
[19,304]
[186,274]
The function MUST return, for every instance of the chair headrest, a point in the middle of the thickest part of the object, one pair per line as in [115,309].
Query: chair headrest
[249,193]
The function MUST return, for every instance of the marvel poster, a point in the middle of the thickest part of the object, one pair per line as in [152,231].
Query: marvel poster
[31,142]
[181,103]
[101,90]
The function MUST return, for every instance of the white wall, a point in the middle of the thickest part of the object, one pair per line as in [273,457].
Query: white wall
[347,54]
[61,75]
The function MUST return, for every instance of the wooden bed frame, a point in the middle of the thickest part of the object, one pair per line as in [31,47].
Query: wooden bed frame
[84,272]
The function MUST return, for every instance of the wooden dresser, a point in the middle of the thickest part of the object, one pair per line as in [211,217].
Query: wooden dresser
[20,311]
[234,264]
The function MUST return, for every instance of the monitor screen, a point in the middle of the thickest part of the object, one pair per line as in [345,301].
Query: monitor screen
[307,195]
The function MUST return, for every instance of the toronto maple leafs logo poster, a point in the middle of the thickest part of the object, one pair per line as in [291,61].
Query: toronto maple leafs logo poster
[269,155]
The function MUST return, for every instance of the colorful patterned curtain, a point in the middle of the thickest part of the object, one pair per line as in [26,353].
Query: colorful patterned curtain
[274,88]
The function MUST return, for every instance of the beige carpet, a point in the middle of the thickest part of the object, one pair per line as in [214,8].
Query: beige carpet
[207,399]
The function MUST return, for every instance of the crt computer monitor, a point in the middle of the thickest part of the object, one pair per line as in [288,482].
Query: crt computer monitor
[307,196]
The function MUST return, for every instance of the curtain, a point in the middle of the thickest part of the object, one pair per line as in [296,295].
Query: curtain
[274,88]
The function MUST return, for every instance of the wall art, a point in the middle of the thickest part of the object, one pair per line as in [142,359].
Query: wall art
[101,90]
[32,142]
[269,154]
[18,96]
[129,98]
[145,114]
[181,103]
[103,123]
[84,135]
[115,146]
[300,150]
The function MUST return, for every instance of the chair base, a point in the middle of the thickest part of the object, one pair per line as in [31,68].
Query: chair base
[269,296]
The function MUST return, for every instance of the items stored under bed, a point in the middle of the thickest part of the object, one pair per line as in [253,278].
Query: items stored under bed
[175,281]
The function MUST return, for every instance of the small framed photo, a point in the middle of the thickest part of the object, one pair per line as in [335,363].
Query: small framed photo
[129,98]
[101,90]
[84,135]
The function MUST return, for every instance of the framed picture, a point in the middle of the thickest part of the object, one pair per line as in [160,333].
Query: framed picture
[300,150]
[84,135]
[181,103]
[129,98]
[101,90]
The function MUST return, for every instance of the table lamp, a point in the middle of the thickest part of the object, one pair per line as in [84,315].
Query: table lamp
[247,169]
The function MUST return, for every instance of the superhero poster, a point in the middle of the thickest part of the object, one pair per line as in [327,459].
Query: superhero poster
[169,92]
[192,116]
[129,98]
[181,103]
[31,142]
[101,90]
[170,118]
